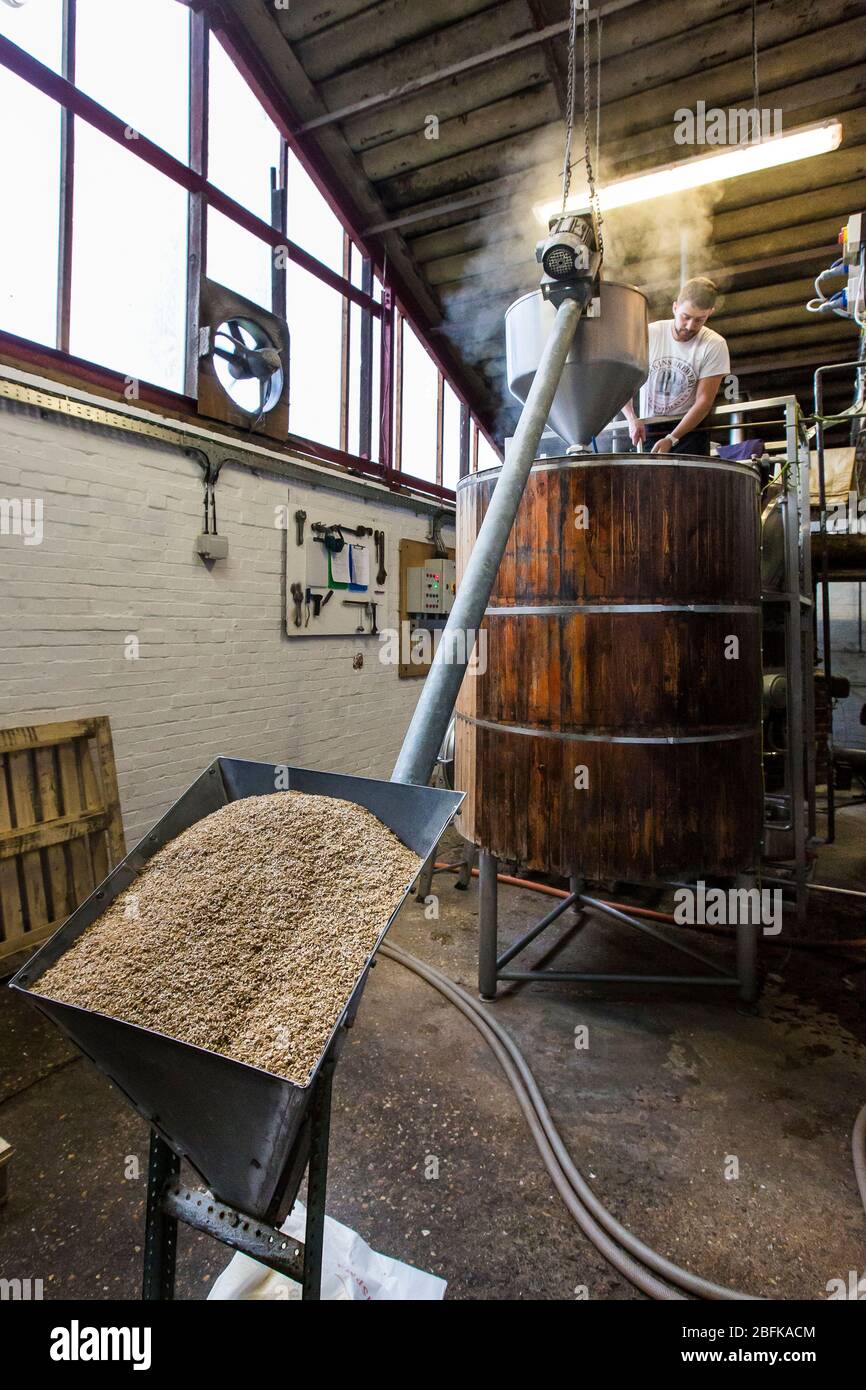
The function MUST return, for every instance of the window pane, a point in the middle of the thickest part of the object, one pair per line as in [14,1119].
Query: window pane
[355,317]
[134,60]
[238,260]
[420,390]
[37,28]
[376,432]
[30,178]
[244,143]
[357,268]
[487,456]
[315,315]
[450,439]
[128,263]
[311,222]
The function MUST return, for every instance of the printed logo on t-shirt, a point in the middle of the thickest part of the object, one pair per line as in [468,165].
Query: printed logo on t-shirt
[671,386]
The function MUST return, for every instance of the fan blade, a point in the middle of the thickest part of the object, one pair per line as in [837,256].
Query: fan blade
[238,364]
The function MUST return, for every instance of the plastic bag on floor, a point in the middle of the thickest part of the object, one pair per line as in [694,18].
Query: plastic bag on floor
[350,1271]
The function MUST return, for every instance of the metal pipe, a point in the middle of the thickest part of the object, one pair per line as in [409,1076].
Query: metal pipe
[575,977]
[818,394]
[417,757]
[630,921]
[747,950]
[535,931]
[825,888]
[488,910]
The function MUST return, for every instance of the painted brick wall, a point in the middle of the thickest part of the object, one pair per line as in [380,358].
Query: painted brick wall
[215,672]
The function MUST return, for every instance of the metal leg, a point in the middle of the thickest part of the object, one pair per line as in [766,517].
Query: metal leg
[488,865]
[317,1183]
[424,886]
[464,878]
[160,1230]
[747,951]
[576,886]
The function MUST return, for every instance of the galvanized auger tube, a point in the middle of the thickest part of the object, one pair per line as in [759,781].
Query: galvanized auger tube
[433,712]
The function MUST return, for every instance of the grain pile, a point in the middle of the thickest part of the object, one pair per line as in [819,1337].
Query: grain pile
[247,933]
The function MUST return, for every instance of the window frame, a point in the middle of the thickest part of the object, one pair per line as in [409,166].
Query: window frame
[391,310]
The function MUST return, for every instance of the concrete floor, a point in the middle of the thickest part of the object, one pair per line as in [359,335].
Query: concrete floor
[671,1085]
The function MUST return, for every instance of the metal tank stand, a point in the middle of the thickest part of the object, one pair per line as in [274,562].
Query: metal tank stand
[170,1201]
[464,866]
[493,967]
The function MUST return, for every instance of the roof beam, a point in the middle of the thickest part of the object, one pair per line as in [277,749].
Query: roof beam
[476,60]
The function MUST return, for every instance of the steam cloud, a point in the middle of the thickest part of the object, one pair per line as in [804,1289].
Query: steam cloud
[653,245]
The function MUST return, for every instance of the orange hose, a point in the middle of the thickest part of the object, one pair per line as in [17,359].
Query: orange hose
[563,893]
[809,943]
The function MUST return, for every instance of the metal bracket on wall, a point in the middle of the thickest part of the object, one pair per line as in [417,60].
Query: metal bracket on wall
[211,469]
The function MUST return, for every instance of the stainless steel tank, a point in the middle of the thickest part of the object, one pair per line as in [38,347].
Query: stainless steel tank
[608,361]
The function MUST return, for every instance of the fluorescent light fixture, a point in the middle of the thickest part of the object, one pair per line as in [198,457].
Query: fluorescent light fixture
[729,163]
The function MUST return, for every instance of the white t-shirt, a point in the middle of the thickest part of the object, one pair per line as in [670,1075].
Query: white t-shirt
[676,368]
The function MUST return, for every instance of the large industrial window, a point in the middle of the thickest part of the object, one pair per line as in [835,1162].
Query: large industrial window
[30,126]
[127,162]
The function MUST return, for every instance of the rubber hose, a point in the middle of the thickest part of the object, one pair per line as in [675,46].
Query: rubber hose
[589,1212]
[631,1269]
[858,1147]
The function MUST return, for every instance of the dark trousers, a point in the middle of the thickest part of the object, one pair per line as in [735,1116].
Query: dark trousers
[695,442]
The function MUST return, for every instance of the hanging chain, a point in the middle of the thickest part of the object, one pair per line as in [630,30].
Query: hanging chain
[583,6]
[587,152]
[598,23]
[569,103]
[756,91]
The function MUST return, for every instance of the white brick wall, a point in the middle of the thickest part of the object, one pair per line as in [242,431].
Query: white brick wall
[216,673]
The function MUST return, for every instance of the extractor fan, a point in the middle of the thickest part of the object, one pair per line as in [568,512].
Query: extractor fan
[243,362]
[249,366]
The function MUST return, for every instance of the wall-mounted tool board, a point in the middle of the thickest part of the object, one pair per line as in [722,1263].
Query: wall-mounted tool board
[333,594]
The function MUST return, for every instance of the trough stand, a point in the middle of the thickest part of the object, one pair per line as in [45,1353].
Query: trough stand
[170,1201]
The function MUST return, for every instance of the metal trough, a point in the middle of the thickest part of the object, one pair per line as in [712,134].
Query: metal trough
[240,1127]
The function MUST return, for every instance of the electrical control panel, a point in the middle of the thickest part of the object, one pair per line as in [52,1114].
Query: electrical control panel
[430,588]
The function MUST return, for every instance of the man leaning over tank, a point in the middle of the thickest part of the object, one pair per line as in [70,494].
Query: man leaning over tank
[687,362]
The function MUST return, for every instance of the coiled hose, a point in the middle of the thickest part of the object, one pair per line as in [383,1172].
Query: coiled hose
[645,1268]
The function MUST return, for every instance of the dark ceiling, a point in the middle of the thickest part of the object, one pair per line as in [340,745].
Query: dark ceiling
[461,203]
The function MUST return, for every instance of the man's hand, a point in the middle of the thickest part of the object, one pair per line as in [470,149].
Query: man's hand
[662,446]
[636,430]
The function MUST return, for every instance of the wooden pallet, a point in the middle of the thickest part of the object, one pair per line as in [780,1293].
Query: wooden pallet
[60,825]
